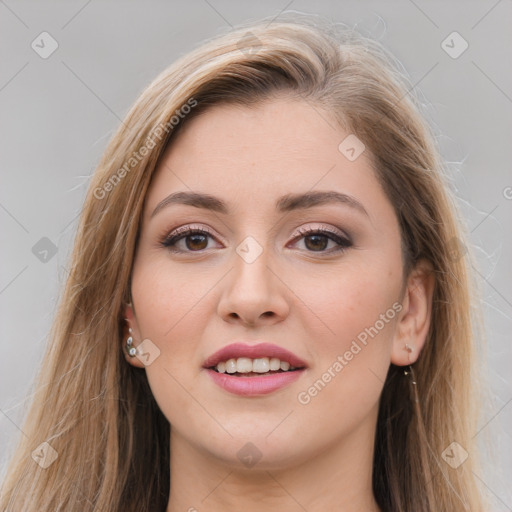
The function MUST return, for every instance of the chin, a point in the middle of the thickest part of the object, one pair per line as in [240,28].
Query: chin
[257,451]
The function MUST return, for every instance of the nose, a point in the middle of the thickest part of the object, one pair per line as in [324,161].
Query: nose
[253,294]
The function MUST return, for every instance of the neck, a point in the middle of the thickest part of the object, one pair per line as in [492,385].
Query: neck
[339,478]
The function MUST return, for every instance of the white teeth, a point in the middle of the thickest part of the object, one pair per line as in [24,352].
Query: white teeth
[275,364]
[257,365]
[261,365]
[231,366]
[244,365]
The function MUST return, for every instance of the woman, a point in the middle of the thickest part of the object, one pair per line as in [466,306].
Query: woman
[268,306]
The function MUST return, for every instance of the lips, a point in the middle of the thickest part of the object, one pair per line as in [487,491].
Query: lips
[261,350]
[264,356]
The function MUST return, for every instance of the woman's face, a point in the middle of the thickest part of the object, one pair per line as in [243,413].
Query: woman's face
[318,278]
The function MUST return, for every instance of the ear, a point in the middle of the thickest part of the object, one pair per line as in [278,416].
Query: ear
[131,322]
[414,320]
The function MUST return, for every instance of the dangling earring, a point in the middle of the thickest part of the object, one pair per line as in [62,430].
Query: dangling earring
[132,351]
[409,369]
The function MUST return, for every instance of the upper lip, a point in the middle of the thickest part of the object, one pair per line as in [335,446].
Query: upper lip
[236,350]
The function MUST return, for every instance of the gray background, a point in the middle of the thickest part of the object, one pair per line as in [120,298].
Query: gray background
[58,113]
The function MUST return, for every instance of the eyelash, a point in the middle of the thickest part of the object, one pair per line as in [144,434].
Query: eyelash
[343,243]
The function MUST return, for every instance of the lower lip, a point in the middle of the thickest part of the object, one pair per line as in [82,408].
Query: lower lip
[252,386]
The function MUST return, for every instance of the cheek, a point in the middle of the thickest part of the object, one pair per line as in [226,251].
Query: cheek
[354,303]
[171,311]
[168,300]
[345,384]
[170,306]
[360,306]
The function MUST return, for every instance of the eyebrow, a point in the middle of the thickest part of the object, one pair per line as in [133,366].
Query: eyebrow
[286,203]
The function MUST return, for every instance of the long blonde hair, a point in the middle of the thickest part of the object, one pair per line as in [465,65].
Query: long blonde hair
[98,413]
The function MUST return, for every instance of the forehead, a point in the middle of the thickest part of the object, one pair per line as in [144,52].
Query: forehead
[258,153]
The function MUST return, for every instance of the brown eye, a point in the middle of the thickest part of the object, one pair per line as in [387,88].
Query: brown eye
[195,240]
[317,240]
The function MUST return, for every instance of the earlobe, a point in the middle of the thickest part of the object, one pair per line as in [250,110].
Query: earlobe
[414,322]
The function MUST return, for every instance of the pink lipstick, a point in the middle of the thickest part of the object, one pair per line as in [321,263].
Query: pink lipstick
[251,370]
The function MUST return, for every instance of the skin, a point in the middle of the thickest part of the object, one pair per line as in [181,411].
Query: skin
[301,296]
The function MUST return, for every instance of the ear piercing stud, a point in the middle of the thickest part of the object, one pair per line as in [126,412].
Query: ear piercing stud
[132,351]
